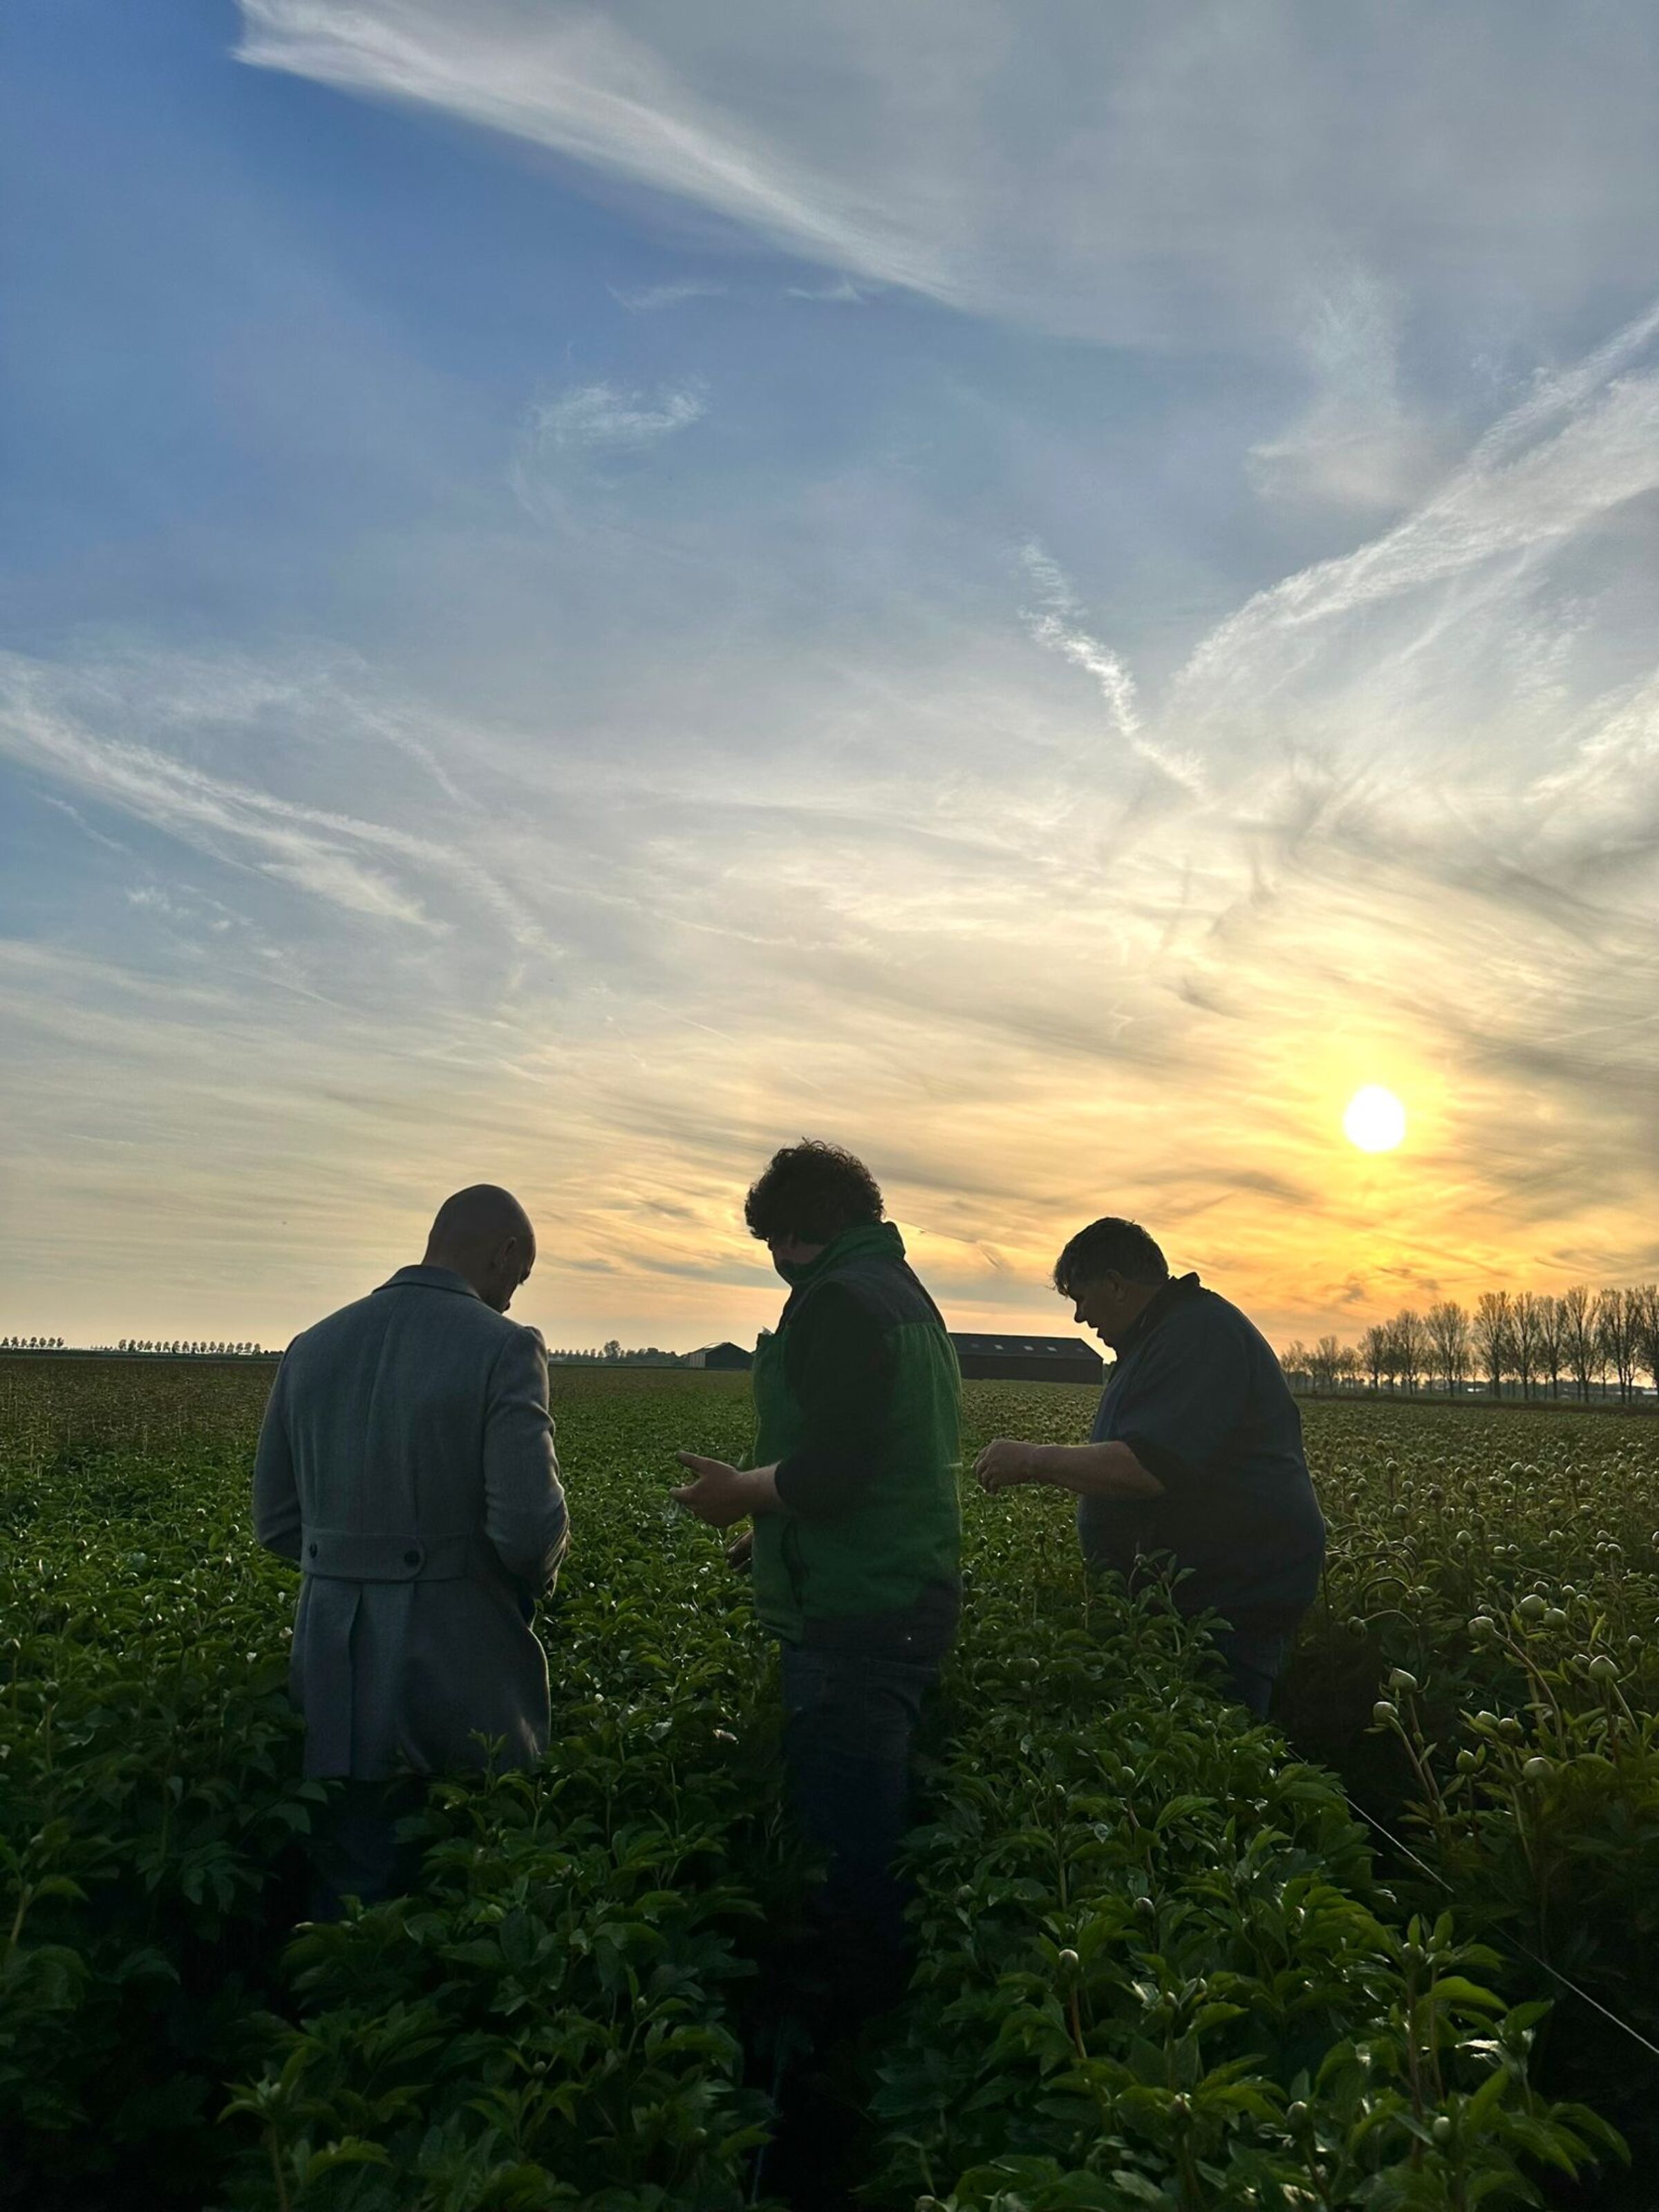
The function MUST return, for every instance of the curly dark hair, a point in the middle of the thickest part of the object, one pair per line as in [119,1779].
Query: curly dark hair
[812,1191]
[1110,1247]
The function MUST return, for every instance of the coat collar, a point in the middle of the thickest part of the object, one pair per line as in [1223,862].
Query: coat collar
[1168,1295]
[432,1278]
[881,1238]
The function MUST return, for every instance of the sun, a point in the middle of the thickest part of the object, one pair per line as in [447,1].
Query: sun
[1375,1120]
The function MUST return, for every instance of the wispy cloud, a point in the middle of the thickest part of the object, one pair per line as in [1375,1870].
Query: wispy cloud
[1134,177]
[604,419]
[583,433]
[1586,444]
[1056,625]
[650,298]
[323,853]
[61,721]
[843,293]
[986,961]
[1359,445]
[582,84]
[375,841]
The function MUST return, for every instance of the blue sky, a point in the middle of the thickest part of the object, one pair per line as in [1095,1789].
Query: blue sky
[1043,591]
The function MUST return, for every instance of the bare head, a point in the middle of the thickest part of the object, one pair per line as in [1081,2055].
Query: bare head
[1111,1271]
[484,1234]
[807,1195]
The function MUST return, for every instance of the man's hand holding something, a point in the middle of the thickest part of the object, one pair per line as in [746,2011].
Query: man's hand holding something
[720,1494]
[1103,1470]
[1006,1462]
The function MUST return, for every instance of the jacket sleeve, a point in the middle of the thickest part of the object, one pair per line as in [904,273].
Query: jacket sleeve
[275,1493]
[1187,1400]
[524,1515]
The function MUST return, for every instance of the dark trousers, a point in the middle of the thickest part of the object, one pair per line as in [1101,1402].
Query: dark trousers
[1251,1664]
[850,1720]
[355,1848]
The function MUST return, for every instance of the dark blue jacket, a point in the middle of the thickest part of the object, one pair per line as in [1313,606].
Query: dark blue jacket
[1198,1396]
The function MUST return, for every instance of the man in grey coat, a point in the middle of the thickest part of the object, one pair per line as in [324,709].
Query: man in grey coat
[406,1465]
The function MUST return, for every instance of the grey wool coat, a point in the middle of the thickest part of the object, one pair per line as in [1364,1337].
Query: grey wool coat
[406,1466]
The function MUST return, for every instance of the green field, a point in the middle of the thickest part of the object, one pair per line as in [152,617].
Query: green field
[1161,1961]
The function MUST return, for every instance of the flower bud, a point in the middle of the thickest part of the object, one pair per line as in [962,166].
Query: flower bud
[1603,1669]
[1532,1608]
[1069,1961]
[1537,1770]
[1383,1712]
[1400,1679]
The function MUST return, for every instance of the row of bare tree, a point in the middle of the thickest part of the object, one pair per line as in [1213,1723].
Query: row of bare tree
[31,1344]
[1584,1340]
[210,1351]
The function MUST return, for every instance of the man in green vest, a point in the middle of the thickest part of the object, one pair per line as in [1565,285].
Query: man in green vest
[853,1491]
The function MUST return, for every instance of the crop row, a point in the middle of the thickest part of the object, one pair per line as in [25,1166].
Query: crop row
[1485,1672]
[1154,1966]
[548,2018]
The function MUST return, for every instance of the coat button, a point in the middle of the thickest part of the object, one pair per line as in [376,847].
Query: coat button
[411,1558]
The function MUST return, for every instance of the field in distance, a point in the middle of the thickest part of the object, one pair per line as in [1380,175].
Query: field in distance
[1160,1960]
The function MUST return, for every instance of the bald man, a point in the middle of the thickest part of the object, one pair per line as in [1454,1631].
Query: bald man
[406,1466]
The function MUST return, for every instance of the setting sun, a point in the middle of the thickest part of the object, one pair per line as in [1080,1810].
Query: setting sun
[1375,1120]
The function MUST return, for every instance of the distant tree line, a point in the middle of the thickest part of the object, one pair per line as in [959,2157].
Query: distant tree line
[180,1347]
[1580,1344]
[175,1348]
[611,1354]
[204,1351]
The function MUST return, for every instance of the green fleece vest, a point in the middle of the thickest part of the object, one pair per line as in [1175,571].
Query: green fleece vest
[905,1529]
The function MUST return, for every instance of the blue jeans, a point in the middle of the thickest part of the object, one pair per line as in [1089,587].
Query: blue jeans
[1251,1664]
[850,1720]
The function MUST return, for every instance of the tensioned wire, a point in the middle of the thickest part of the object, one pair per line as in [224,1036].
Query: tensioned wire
[1511,1943]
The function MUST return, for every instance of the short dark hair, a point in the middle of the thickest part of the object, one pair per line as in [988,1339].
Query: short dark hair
[812,1191]
[1110,1247]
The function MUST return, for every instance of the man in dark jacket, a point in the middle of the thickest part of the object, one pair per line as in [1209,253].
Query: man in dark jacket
[1196,1453]
[853,1489]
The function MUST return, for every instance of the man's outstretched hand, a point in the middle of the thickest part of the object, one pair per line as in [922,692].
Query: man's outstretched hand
[1102,1470]
[720,1494]
[1005,1462]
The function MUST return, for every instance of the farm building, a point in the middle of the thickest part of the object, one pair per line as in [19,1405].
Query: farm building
[720,1355]
[1028,1359]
